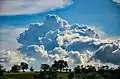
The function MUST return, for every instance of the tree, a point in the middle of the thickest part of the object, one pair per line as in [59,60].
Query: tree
[24,66]
[71,75]
[45,67]
[15,68]
[1,67]
[94,75]
[91,69]
[1,71]
[53,69]
[60,64]
[31,69]
[77,69]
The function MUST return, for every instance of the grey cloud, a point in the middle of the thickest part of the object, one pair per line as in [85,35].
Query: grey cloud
[9,58]
[19,7]
[109,53]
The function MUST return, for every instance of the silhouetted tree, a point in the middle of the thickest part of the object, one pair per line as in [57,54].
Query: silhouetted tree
[69,70]
[42,75]
[60,64]
[66,69]
[77,69]
[54,75]
[24,66]
[48,72]
[1,70]
[45,67]
[1,67]
[91,69]
[81,72]
[15,68]
[53,69]
[31,69]
[71,75]
[93,75]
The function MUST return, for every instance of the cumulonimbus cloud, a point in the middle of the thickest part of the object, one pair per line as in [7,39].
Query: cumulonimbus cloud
[56,39]
[18,7]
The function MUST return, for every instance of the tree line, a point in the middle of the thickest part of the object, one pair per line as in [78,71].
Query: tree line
[79,72]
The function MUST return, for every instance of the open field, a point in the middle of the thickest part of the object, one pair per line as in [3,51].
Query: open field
[29,75]
[21,75]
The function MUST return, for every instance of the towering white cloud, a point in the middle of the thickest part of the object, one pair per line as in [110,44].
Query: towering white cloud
[38,30]
[18,7]
[54,32]
[56,39]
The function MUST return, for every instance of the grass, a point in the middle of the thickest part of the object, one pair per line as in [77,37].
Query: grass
[21,75]
[29,75]
[64,75]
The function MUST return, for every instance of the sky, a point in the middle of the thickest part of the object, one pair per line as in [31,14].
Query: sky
[103,14]
[57,17]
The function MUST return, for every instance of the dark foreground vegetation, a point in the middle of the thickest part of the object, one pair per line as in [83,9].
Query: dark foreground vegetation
[60,70]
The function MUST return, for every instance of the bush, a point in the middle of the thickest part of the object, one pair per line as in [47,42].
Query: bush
[94,75]
[71,75]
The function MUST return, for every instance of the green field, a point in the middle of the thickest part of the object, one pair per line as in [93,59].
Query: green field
[29,75]
[21,75]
